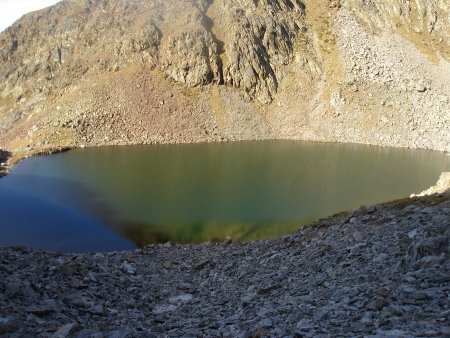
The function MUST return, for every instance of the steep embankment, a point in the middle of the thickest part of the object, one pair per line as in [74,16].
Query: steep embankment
[92,73]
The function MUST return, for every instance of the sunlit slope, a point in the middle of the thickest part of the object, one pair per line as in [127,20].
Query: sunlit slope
[135,71]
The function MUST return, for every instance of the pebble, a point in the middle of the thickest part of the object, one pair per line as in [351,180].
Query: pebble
[428,210]
[66,330]
[357,236]
[180,299]
[228,240]
[412,233]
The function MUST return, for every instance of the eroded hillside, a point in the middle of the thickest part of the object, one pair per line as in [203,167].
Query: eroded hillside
[134,71]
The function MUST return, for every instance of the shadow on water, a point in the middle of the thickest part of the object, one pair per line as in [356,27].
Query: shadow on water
[55,214]
[61,191]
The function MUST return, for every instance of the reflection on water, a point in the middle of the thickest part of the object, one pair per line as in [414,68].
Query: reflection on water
[203,192]
[145,233]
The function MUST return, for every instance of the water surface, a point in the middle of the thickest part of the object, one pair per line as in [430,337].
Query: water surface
[117,197]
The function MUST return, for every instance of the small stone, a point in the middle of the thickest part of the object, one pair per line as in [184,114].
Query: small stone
[268,289]
[8,325]
[247,299]
[419,295]
[266,323]
[437,219]
[128,268]
[410,208]
[410,279]
[370,209]
[445,331]
[123,332]
[381,258]
[420,88]
[365,320]
[202,265]
[96,309]
[86,333]
[428,262]
[167,264]
[228,240]
[70,269]
[13,288]
[66,330]
[43,309]
[427,210]
[433,246]
[305,325]
[412,233]
[407,289]
[77,284]
[194,332]
[358,236]
[181,299]
[377,304]
[160,309]
[307,299]
[392,333]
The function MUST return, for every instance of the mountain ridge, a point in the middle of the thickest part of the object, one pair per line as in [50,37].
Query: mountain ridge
[131,72]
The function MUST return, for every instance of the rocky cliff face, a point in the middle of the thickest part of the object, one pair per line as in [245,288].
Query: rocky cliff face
[135,71]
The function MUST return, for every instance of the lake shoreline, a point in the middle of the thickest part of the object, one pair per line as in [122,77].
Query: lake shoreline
[15,156]
[8,159]
[296,184]
[373,271]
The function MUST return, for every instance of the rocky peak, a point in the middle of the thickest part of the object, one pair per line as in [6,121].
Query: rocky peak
[56,46]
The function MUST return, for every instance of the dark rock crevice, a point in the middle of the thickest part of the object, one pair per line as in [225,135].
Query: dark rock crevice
[4,157]
[208,24]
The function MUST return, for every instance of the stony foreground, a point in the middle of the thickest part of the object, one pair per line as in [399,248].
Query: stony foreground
[378,271]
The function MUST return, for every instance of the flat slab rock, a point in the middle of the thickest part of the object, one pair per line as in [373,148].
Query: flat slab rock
[379,271]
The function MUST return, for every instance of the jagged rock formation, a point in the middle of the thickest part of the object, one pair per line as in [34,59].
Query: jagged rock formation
[260,41]
[135,71]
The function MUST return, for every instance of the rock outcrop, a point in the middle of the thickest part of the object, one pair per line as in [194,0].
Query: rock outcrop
[4,157]
[442,186]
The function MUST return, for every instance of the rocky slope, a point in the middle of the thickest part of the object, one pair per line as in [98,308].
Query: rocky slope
[379,271]
[135,71]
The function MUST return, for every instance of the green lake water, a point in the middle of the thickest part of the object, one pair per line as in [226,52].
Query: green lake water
[205,192]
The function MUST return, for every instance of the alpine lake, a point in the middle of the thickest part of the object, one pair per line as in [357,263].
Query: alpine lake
[122,197]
